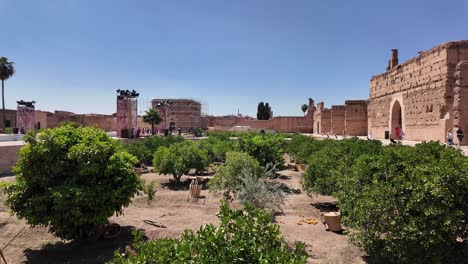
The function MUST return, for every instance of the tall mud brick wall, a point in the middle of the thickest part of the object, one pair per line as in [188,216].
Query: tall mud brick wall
[322,119]
[356,117]
[418,95]
[338,119]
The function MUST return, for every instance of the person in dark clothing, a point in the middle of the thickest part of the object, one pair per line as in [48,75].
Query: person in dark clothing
[460,136]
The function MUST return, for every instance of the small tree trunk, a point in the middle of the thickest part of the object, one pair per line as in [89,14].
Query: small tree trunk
[3,125]
[152,128]
[177,178]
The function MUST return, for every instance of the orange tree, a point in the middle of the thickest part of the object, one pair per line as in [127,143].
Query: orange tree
[72,179]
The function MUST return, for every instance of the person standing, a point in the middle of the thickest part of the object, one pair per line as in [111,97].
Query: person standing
[449,138]
[460,136]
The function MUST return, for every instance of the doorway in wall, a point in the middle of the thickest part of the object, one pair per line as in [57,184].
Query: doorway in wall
[396,122]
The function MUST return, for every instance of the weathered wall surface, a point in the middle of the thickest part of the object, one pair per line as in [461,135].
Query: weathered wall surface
[322,119]
[356,117]
[423,86]
[10,115]
[338,119]
[460,104]
[8,155]
[287,124]
[105,122]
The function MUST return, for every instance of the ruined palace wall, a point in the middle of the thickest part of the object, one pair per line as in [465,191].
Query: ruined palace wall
[356,118]
[287,124]
[338,119]
[322,121]
[424,87]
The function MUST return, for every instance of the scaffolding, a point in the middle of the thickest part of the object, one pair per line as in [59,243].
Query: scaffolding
[185,114]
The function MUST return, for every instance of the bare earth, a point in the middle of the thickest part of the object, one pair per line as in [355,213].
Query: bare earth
[171,208]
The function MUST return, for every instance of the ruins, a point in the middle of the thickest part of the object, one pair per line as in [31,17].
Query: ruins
[419,99]
[127,113]
[424,97]
[183,114]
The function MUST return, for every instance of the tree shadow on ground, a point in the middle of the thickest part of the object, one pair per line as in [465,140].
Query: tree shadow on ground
[181,186]
[284,177]
[326,207]
[459,255]
[98,251]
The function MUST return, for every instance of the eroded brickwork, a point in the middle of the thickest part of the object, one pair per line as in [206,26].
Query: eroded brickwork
[338,119]
[356,117]
[424,88]
[322,119]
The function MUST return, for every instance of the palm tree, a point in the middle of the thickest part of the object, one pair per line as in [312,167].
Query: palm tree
[152,117]
[304,108]
[6,71]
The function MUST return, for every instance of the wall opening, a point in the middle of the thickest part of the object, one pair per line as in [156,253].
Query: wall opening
[396,122]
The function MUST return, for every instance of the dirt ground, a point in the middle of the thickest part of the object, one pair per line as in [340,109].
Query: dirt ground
[171,208]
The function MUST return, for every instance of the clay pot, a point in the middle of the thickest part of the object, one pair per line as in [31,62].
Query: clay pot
[333,220]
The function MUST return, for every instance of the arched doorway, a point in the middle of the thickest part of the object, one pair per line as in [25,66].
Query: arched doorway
[396,124]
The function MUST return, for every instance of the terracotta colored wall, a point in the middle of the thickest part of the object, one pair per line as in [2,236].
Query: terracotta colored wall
[338,119]
[322,119]
[424,87]
[9,156]
[356,117]
[287,124]
[9,115]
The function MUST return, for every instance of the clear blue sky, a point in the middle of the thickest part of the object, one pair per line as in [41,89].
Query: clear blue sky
[73,55]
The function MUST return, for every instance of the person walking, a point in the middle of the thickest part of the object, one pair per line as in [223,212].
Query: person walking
[449,138]
[460,136]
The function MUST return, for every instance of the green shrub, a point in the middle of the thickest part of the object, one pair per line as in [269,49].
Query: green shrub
[265,148]
[179,158]
[333,161]
[222,135]
[71,179]
[3,185]
[144,149]
[244,236]
[408,205]
[8,130]
[261,194]
[300,148]
[217,148]
[149,190]
[229,176]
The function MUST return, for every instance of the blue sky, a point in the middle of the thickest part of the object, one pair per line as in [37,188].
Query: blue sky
[73,55]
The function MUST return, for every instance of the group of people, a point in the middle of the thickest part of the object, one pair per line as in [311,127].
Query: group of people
[460,136]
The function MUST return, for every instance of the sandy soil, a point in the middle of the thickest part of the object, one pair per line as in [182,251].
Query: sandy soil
[171,208]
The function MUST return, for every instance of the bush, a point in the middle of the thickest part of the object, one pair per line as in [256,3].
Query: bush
[217,148]
[144,149]
[72,180]
[149,190]
[300,148]
[244,236]
[229,176]
[179,159]
[406,204]
[266,149]
[333,161]
[261,194]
